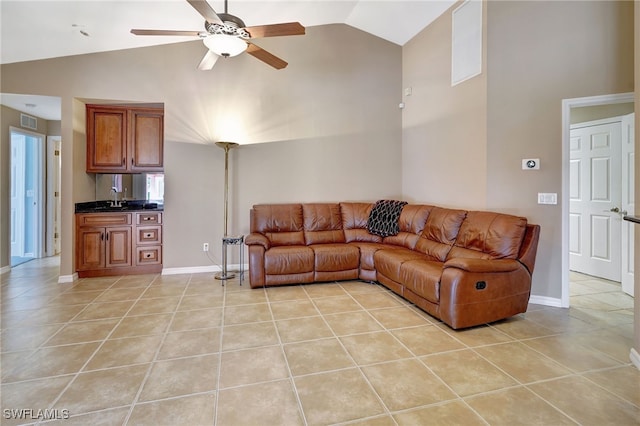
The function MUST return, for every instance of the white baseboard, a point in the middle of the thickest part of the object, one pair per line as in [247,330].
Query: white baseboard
[5,269]
[190,270]
[546,301]
[63,279]
[634,356]
[200,269]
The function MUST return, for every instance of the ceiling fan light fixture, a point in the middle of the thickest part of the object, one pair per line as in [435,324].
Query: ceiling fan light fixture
[225,45]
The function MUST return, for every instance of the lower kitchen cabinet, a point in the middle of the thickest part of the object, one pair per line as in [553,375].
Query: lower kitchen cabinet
[118,243]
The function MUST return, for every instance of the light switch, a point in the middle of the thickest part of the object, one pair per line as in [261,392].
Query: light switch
[547,198]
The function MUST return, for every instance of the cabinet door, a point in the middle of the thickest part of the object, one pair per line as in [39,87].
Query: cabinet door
[90,248]
[106,139]
[146,140]
[118,247]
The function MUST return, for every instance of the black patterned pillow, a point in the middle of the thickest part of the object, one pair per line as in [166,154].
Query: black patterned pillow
[384,216]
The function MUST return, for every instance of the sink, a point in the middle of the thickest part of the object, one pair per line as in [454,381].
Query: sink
[105,206]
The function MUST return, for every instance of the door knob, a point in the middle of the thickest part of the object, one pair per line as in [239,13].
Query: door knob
[615,210]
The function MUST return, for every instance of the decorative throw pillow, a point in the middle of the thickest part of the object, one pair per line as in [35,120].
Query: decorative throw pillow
[384,216]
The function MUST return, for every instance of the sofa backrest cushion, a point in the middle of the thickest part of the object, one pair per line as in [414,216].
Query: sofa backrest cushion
[411,223]
[440,232]
[322,223]
[354,222]
[489,235]
[282,224]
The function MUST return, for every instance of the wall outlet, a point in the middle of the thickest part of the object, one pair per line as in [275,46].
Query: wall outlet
[205,246]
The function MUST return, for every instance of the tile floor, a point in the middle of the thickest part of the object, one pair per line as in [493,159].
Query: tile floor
[184,350]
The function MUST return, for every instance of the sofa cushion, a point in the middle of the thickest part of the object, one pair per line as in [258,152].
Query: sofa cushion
[388,262]
[322,223]
[423,278]
[287,260]
[354,222]
[489,235]
[440,232]
[367,250]
[335,257]
[384,216]
[282,224]
[411,224]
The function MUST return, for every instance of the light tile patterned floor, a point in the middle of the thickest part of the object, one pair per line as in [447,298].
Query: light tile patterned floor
[184,350]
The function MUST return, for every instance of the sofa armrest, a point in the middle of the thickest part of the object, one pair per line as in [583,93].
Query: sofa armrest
[482,265]
[480,291]
[257,239]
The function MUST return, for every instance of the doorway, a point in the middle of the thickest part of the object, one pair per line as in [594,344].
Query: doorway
[603,224]
[26,195]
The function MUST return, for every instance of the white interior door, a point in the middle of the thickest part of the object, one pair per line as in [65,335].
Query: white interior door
[628,201]
[17,194]
[595,199]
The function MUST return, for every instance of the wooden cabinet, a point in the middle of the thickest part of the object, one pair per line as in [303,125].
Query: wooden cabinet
[148,238]
[124,139]
[118,243]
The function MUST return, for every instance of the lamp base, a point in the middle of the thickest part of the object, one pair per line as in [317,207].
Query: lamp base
[223,276]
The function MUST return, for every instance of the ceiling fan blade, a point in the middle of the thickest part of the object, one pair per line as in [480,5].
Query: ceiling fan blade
[266,57]
[165,33]
[276,30]
[206,11]
[208,61]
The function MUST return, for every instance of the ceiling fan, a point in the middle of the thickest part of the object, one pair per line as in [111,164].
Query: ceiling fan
[226,35]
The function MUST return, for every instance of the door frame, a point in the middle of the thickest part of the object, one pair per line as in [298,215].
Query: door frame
[53,182]
[567,104]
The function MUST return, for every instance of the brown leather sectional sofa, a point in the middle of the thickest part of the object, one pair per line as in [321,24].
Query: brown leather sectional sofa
[464,267]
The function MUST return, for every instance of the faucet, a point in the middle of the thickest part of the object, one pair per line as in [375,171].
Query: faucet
[115,202]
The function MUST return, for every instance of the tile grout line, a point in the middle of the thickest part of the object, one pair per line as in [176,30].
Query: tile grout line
[157,352]
[291,378]
[102,343]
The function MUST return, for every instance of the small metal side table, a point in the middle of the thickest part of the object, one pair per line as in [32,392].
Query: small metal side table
[229,240]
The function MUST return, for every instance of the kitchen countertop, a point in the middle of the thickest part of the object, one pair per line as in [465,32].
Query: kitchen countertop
[104,206]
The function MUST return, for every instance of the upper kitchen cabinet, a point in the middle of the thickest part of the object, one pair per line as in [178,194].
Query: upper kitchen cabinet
[124,139]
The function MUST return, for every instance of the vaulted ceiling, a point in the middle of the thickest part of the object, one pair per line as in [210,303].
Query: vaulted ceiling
[32,30]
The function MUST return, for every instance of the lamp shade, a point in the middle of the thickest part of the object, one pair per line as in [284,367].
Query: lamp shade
[225,45]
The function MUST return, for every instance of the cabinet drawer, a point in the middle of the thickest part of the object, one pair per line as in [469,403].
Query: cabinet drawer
[149,235]
[150,218]
[148,255]
[103,219]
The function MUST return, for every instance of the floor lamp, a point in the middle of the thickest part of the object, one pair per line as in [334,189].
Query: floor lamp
[224,274]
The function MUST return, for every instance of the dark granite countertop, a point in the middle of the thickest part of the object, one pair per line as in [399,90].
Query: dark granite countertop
[105,206]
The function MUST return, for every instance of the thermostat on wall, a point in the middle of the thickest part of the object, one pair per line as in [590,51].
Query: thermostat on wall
[531,164]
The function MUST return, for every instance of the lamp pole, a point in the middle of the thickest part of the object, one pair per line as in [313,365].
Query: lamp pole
[224,275]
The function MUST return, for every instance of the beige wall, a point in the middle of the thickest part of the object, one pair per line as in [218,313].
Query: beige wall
[590,113]
[9,117]
[463,145]
[331,117]
[444,144]
[538,54]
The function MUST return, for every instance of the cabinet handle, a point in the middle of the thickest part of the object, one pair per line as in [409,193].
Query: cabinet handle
[107,236]
[147,235]
[102,236]
[148,255]
[132,161]
[123,162]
